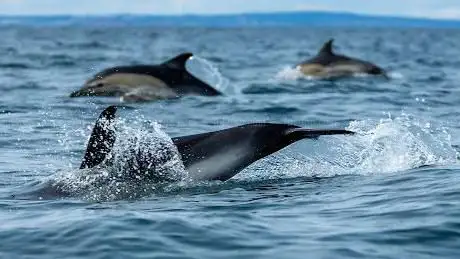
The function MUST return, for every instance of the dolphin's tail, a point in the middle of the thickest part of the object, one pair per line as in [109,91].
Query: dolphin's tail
[102,139]
[301,133]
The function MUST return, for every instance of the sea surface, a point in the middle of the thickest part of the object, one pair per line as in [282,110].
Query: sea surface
[391,191]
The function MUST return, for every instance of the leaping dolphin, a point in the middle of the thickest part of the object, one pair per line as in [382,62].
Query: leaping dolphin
[147,82]
[217,155]
[327,64]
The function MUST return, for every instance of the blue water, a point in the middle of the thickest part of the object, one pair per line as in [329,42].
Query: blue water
[391,191]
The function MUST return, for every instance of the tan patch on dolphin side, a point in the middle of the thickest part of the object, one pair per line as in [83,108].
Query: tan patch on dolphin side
[138,98]
[345,68]
[147,93]
[136,84]
[312,69]
[134,80]
[332,70]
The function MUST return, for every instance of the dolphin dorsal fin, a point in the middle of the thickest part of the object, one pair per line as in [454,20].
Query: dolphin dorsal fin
[179,61]
[327,47]
[102,139]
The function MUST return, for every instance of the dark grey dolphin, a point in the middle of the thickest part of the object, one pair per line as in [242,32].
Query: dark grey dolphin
[217,155]
[328,64]
[147,82]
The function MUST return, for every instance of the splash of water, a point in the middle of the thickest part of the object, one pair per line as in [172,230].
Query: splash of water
[385,146]
[142,160]
[145,154]
[210,73]
[289,73]
[395,75]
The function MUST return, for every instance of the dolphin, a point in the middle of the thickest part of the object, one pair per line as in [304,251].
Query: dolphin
[217,155]
[327,64]
[147,82]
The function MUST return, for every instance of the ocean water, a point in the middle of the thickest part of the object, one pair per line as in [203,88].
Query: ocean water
[391,191]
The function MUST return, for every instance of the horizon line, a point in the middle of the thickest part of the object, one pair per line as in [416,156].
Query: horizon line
[24,15]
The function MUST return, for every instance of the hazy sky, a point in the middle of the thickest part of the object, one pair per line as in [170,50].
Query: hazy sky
[423,8]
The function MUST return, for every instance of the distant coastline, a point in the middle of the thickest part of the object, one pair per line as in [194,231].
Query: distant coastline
[291,19]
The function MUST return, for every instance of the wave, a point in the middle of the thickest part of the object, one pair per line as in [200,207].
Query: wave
[15,65]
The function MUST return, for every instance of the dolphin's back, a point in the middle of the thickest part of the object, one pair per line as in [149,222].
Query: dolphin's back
[216,155]
[220,155]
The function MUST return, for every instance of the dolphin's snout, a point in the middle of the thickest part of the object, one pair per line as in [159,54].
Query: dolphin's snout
[375,70]
[75,94]
[81,92]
